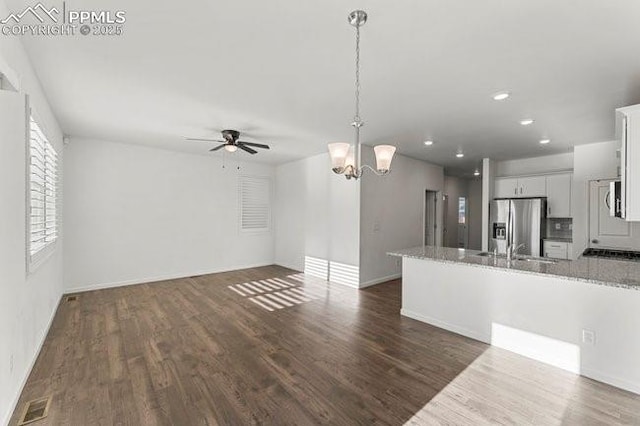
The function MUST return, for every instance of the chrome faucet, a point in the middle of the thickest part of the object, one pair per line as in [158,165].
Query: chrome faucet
[512,250]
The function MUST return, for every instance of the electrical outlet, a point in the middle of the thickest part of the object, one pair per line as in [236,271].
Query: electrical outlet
[558,226]
[588,337]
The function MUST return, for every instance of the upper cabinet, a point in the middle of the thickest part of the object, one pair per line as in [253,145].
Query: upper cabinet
[532,186]
[506,188]
[628,130]
[559,195]
[521,187]
[556,187]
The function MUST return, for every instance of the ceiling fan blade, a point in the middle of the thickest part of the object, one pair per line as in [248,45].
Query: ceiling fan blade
[246,148]
[257,145]
[217,147]
[204,140]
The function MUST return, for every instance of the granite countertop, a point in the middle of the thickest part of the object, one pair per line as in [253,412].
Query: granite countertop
[613,273]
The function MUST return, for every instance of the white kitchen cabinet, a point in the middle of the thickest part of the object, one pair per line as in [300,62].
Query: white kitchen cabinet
[506,188]
[557,249]
[558,193]
[520,187]
[532,186]
[628,130]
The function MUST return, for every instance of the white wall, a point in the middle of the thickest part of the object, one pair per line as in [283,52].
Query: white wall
[544,312]
[488,175]
[290,215]
[137,214]
[27,302]
[317,214]
[535,165]
[392,209]
[474,192]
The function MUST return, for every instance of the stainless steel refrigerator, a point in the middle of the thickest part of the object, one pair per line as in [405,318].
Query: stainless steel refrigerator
[518,221]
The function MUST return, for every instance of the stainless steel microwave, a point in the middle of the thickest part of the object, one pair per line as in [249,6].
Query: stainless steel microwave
[615,199]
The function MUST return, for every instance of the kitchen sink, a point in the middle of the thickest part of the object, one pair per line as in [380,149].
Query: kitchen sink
[484,254]
[536,260]
[520,258]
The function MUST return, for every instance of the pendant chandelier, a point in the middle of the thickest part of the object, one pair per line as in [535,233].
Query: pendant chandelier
[345,158]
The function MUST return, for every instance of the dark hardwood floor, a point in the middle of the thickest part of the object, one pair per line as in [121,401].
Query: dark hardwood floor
[293,350]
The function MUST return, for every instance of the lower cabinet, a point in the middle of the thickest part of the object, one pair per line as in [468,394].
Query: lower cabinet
[557,249]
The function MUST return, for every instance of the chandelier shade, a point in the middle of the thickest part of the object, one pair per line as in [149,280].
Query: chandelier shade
[384,155]
[338,151]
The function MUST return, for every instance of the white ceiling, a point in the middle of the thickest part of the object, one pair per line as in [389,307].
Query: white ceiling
[282,70]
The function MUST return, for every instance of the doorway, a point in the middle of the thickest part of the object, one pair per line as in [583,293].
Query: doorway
[429,236]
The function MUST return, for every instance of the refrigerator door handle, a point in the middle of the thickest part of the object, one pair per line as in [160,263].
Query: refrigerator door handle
[509,227]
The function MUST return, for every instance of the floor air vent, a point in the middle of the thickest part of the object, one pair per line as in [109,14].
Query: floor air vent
[35,410]
[72,298]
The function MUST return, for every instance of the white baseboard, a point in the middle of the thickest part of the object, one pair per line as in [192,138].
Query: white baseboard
[445,325]
[296,268]
[380,280]
[16,398]
[618,382]
[147,280]
[344,284]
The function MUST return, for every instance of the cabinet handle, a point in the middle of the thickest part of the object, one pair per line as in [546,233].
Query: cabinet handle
[515,191]
[520,190]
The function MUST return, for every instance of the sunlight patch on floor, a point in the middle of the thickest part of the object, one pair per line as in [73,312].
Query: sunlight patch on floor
[277,293]
[477,395]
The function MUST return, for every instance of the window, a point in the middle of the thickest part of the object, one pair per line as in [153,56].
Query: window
[255,203]
[462,210]
[43,191]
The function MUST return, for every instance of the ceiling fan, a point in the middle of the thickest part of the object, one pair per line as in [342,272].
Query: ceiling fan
[231,143]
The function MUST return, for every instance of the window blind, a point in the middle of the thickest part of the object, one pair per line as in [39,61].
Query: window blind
[255,203]
[43,190]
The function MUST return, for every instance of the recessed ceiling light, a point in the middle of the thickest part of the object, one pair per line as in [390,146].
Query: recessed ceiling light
[428,143]
[459,155]
[545,141]
[500,96]
[526,121]
[476,173]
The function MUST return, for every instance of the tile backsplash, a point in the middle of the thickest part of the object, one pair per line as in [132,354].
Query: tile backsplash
[559,228]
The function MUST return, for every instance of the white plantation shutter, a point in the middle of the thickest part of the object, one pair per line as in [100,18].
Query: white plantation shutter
[255,203]
[43,190]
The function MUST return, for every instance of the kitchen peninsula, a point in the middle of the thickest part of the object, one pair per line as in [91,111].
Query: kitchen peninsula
[577,315]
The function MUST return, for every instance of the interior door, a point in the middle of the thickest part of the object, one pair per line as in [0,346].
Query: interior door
[430,215]
[606,231]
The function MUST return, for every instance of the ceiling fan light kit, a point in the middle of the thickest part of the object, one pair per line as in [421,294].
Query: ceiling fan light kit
[345,159]
[231,143]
